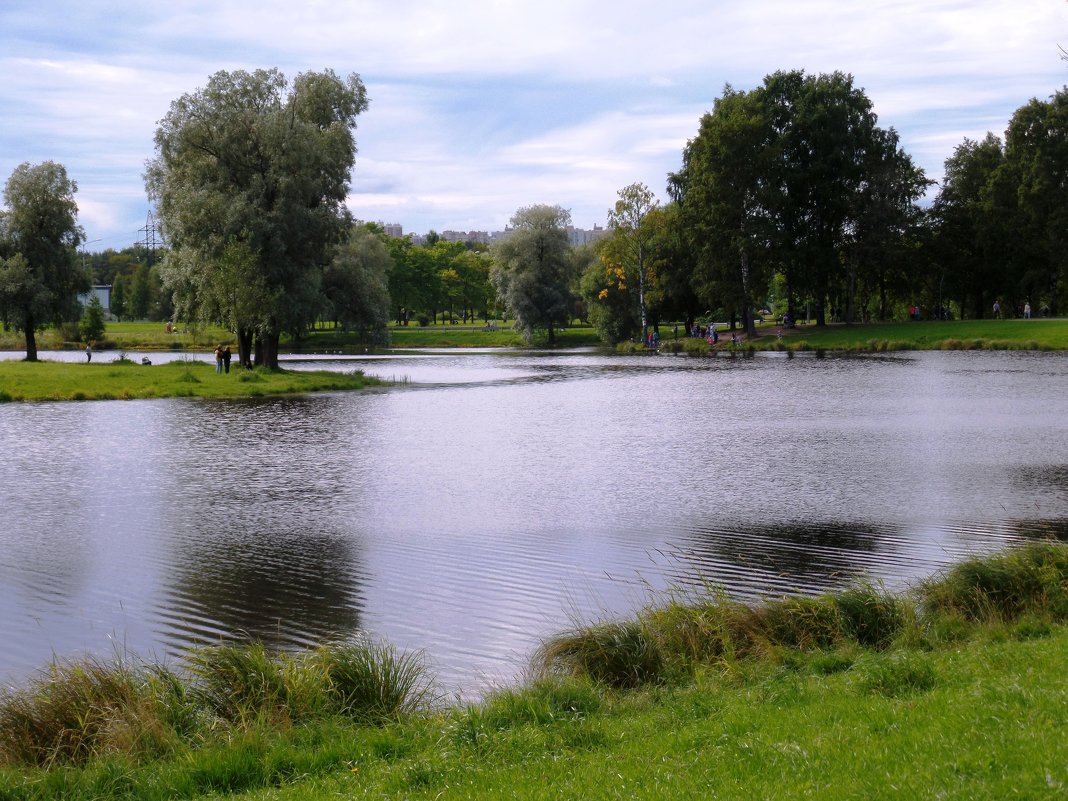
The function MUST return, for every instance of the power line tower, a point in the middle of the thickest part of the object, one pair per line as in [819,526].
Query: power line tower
[152,238]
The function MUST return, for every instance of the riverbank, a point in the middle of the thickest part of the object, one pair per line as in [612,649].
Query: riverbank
[1044,334]
[118,379]
[956,690]
[1038,334]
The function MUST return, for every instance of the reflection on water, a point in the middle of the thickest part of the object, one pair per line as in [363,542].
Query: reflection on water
[499,496]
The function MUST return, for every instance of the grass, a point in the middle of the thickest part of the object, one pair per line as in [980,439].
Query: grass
[124,380]
[1044,334]
[854,695]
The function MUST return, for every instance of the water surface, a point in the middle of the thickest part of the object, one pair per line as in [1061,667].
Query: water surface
[500,496]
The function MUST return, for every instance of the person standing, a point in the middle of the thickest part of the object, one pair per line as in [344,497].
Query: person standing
[218,359]
[997,310]
[88,353]
[226,356]
[1027,311]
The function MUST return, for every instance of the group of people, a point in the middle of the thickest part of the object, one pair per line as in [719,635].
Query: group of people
[222,358]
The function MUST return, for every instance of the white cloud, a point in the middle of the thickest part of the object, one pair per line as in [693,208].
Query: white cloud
[478,109]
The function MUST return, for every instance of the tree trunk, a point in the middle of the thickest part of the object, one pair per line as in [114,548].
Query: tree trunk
[244,347]
[31,339]
[270,348]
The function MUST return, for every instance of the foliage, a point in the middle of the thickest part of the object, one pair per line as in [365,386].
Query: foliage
[92,325]
[355,284]
[250,178]
[532,270]
[630,251]
[39,277]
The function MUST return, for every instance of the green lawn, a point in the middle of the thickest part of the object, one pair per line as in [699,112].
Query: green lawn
[927,335]
[104,380]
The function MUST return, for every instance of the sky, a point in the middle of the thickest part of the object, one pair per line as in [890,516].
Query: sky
[478,109]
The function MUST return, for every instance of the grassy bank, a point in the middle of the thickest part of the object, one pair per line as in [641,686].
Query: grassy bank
[955,690]
[926,335]
[125,380]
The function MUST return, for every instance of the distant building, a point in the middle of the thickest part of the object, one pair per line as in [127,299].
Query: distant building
[482,237]
[392,229]
[102,292]
[583,236]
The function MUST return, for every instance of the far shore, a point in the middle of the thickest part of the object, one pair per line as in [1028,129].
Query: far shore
[1015,334]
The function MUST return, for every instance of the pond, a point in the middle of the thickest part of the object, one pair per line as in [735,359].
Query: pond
[494,498]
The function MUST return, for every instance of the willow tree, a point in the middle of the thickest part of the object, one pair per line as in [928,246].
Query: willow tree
[533,272]
[39,232]
[250,177]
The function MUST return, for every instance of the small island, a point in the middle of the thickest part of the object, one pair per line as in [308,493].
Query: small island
[122,379]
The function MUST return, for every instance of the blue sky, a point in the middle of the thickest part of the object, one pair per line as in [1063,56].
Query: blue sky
[479,108]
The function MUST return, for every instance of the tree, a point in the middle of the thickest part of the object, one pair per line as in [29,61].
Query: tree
[140,294]
[631,244]
[92,326]
[356,284]
[970,250]
[723,194]
[39,232]
[118,296]
[1036,171]
[531,273]
[253,171]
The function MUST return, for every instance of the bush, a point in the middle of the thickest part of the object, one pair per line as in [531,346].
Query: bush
[92,326]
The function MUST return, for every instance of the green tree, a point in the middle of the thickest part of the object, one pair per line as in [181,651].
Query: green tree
[118,296]
[1036,167]
[140,293]
[249,161]
[532,274]
[631,244]
[356,284]
[413,279]
[883,240]
[723,194]
[39,232]
[970,248]
[92,325]
[825,131]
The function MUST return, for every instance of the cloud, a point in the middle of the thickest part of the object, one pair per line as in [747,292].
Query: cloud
[478,109]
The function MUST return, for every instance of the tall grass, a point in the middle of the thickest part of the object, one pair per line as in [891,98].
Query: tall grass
[72,712]
[681,636]
[1030,580]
